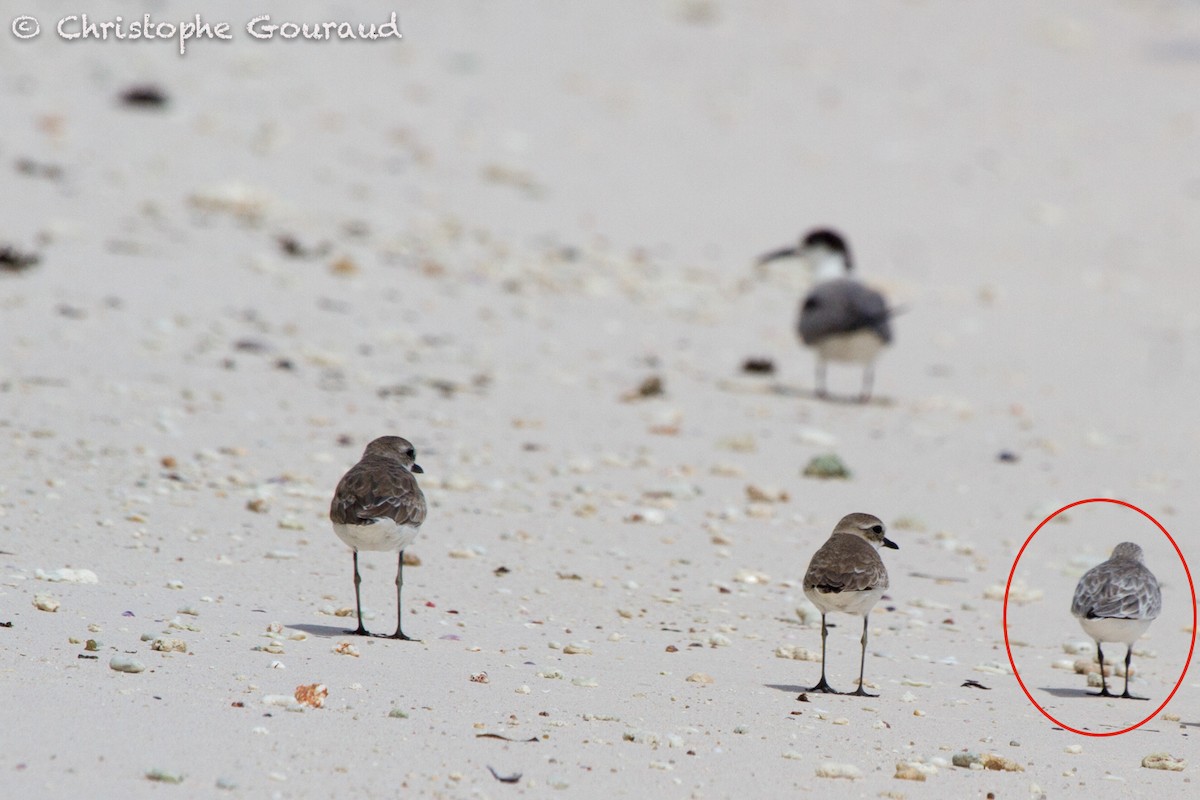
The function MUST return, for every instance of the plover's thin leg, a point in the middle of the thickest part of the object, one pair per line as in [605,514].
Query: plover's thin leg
[868,383]
[823,686]
[862,663]
[1128,657]
[821,392]
[360,631]
[399,634]
[1103,683]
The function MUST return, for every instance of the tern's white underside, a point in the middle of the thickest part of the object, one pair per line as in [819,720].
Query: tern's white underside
[859,347]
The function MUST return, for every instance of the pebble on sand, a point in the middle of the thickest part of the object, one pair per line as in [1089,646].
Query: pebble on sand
[833,770]
[826,466]
[164,776]
[123,663]
[44,602]
[986,761]
[67,575]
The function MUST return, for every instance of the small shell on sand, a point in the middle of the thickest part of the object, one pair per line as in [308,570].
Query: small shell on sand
[123,663]
[346,649]
[993,668]
[986,761]
[312,694]
[1085,666]
[44,602]
[67,575]
[832,770]
[807,612]
[770,494]
[699,677]
[796,652]
[283,701]
[1019,593]
[169,645]
[913,771]
[1164,761]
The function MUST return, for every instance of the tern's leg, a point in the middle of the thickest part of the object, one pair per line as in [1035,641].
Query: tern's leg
[399,634]
[868,383]
[821,392]
[823,686]
[1128,657]
[360,630]
[862,663]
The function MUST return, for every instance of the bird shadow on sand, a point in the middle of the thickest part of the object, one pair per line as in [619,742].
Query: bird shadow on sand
[784,390]
[327,631]
[1058,691]
[751,386]
[787,687]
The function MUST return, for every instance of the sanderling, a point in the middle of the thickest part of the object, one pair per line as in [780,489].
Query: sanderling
[1115,602]
[379,506]
[840,318]
[846,574]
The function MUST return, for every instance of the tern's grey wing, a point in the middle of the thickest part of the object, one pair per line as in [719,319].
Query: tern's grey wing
[846,564]
[843,305]
[377,488]
[1117,590]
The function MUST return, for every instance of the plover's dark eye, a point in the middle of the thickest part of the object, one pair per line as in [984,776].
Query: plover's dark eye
[877,528]
[411,453]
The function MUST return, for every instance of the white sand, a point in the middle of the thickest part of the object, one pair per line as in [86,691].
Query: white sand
[535,208]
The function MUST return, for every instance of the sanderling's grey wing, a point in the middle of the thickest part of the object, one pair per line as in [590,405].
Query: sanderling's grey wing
[846,564]
[376,489]
[842,306]
[1148,591]
[1117,591]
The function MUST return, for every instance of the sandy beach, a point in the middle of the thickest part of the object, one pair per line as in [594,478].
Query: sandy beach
[523,237]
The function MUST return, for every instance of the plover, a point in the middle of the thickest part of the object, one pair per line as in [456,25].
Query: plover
[379,506]
[840,318]
[846,574]
[1115,602]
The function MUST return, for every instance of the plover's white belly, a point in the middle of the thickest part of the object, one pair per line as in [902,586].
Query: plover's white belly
[383,535]
[1107,629]
[860,347]
[859,603]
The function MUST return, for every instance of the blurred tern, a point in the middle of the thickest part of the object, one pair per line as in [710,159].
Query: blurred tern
[840,318]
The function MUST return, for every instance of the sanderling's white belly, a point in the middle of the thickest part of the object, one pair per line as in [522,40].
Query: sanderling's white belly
[860,347]
[383,535]
[1105,629]
[859,603]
